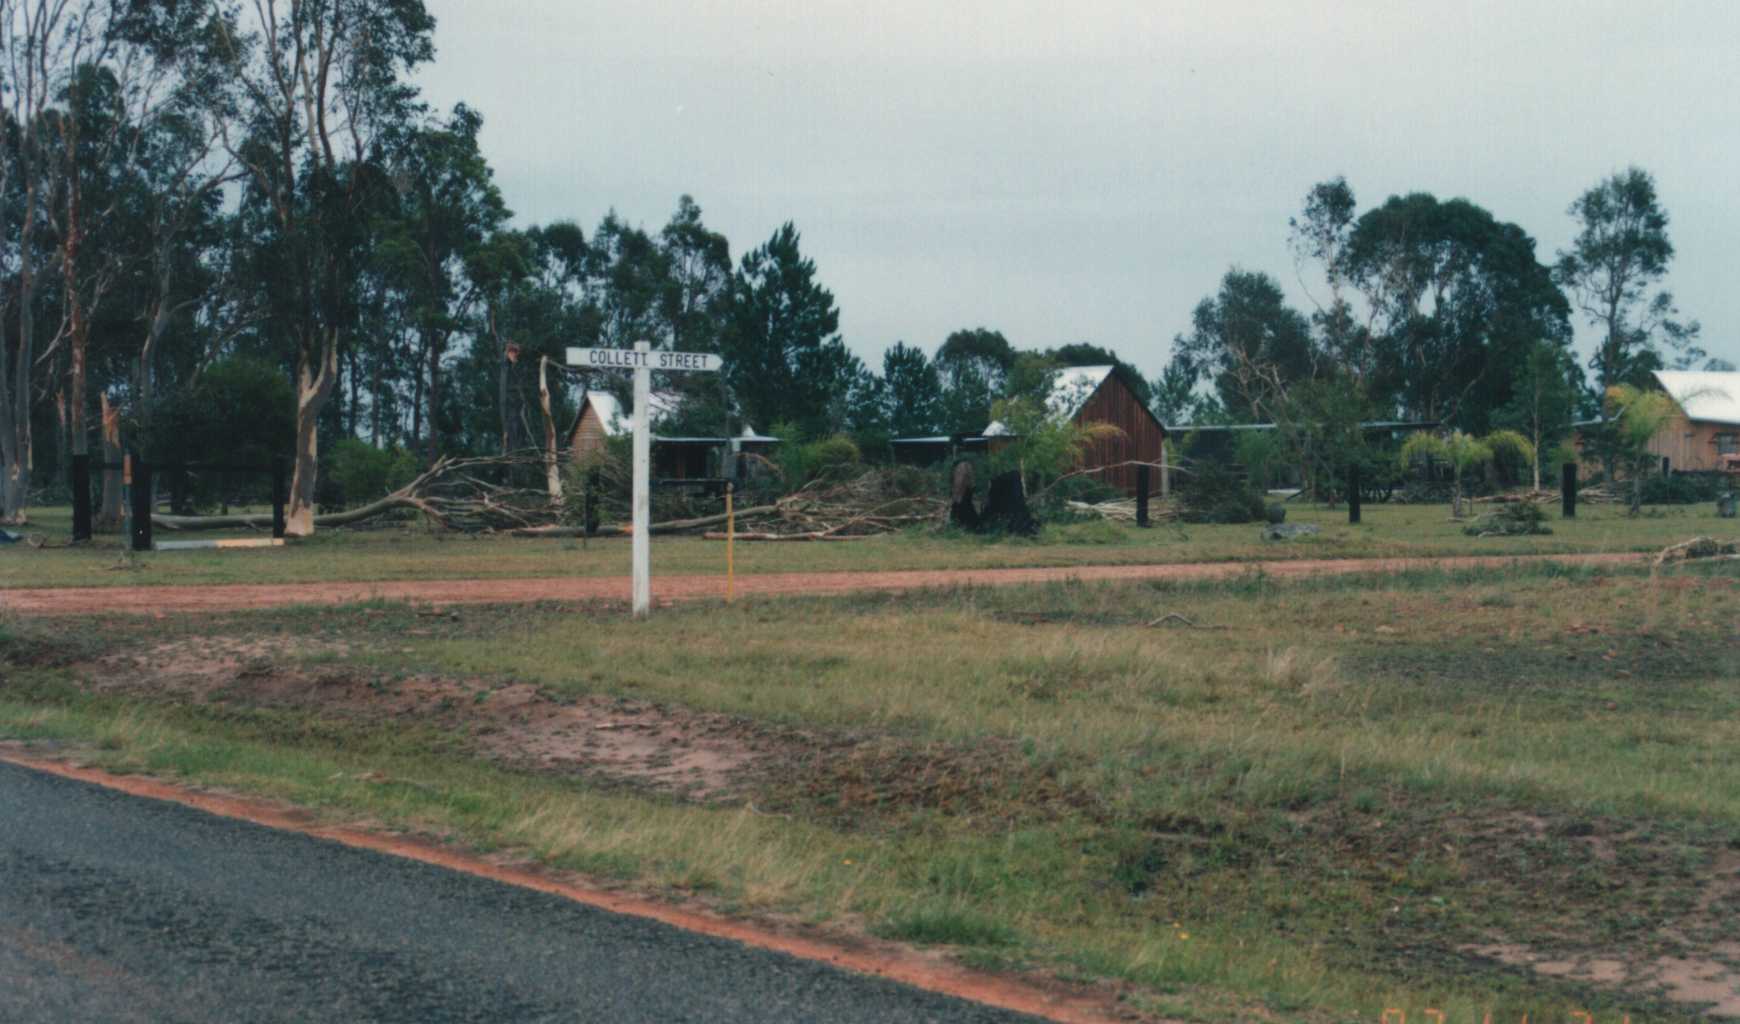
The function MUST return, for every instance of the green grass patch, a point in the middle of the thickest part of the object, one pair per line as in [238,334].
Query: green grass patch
[407,552]
[1316,799]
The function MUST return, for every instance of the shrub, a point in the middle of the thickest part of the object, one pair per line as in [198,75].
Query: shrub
[357,472]
[1513,519]
[831,456]
[240,412]
[1215,494]
[1683,488]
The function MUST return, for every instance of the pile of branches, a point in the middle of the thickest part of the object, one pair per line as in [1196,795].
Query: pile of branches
[469,494]
[482,494]
[829,508]
[1123,510]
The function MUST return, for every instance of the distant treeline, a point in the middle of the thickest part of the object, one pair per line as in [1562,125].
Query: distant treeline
[259,191]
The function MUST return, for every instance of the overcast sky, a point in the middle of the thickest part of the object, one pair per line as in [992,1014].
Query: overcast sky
[1088,171]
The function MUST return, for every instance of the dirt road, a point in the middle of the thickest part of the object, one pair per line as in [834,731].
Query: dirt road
[671,589]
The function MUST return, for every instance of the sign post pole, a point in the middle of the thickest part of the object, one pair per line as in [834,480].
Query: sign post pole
[730,541]
[639,540]
[643,361]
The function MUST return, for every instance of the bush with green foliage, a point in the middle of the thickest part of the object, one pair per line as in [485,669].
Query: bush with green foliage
[831,456]
[356,472]
[1215,494]
[1684,488]
[239,412]
[1511,519]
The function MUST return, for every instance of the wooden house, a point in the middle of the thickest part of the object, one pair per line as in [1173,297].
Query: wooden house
[1704,435]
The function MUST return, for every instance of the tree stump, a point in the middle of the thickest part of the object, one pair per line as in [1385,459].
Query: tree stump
[1006,506]
[962,512]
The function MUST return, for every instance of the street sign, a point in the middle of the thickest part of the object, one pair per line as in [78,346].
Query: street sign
[643,361]
[638,357]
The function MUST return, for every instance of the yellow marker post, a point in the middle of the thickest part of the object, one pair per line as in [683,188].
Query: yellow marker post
[730,542]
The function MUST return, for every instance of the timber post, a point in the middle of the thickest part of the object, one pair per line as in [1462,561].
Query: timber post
[1568,490]
[280,494]
[138,479]
[1142,495]
[1353,493]
[81,497]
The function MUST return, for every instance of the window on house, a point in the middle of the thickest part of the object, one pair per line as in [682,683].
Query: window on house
[1728,444]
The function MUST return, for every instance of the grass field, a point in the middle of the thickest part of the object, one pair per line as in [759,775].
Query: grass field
[412,552]
[1498,791]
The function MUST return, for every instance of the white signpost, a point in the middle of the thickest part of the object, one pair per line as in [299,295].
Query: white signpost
[643,361]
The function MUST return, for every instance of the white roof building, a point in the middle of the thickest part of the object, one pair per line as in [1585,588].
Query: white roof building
[1071,387]
[1704,396]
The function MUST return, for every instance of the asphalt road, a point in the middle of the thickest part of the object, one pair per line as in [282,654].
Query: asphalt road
[117,908]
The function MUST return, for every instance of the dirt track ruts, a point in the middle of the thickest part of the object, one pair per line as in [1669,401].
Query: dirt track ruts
[671,589]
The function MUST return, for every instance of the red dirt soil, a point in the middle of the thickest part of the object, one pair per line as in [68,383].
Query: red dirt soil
[672,589]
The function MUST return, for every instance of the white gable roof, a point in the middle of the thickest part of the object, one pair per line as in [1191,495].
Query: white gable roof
[1707,395]
[1071,387]
[609,410]
[619,422]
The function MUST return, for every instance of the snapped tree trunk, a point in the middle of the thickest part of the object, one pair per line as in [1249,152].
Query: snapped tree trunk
[109,518]
[313,386]
[552,471]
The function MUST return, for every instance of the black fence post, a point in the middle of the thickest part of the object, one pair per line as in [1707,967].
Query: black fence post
[139,485]
[81,497]
[1568,490]
[1142,495]
[1353,493]
[280,493]
[589,504]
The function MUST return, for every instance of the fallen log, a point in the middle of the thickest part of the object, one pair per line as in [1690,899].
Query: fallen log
[668,526]
[818,535]
[1698,547]
[263,520]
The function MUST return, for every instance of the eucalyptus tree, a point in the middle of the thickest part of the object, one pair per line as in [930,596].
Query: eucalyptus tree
[41,43]
[1613,267]
[695,302]
[1250,344]
[322,83]
[1322,235]
[448,209]
[1456,298]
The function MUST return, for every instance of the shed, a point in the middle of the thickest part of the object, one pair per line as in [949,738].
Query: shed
[674,457]
[1096,394]
[1704,435]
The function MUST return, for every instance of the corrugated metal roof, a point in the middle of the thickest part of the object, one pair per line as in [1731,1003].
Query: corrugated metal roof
[1704,395]
[1071,387]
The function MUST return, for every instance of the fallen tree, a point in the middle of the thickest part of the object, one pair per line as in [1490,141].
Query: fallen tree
[464,494]
[453,493]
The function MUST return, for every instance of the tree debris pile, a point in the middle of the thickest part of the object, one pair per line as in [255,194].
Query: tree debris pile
[871,503]
[1123,510]
[468,494]
[1512,519]
[1698,547]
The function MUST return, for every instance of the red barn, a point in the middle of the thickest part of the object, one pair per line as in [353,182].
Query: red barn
[1097,394]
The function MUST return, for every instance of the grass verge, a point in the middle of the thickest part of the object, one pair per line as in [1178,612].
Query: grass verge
[1499,791]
